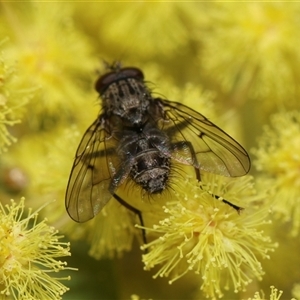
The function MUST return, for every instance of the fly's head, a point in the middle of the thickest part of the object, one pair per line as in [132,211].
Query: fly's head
[124,94]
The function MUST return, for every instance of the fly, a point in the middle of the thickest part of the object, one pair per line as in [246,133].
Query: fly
[137,136]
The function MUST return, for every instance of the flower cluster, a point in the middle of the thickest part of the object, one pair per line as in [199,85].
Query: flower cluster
[201,234]
[278,160]
[243,72]
[28,255]
[112,231]
[12,98]
[275,295]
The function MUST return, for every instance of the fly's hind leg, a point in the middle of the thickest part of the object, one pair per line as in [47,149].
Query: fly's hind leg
[237,208]
[135,211]
[195,162]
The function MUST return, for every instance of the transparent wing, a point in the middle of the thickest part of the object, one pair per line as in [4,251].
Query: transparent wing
[91,174]
[198,142]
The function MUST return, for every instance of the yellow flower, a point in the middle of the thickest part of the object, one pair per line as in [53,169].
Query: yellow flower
[255,54]
[135,32]
[275,295]
[55,59]
[12,98]
[278,158]
[112,232]
[208,237]
[28,255]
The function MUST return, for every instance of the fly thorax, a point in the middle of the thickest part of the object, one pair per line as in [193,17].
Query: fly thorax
[128,99]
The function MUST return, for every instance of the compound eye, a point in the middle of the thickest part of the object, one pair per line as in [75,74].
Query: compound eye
[131,72]
[107,79]
[104,81]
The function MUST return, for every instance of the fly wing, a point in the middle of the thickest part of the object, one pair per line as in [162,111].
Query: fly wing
[197,141]
[94,166]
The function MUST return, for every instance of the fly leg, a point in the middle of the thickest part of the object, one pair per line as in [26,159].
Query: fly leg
[194,162]
[117,180]
[135,211]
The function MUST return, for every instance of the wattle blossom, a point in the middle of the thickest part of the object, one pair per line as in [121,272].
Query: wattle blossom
[29,255]
[278,160]
[203,235]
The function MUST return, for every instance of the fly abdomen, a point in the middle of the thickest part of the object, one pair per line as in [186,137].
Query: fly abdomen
[151,170]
